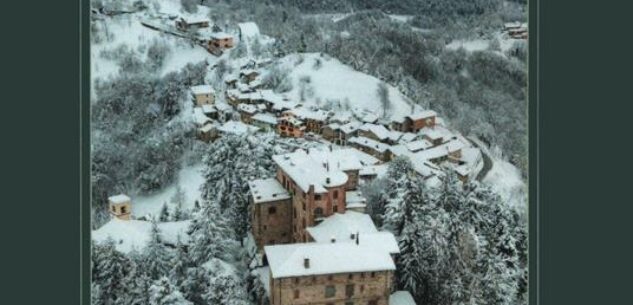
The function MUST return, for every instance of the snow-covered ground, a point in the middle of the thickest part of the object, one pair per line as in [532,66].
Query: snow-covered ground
[133,234]
[481,44]
[189,178]
[127,30]
[338,82]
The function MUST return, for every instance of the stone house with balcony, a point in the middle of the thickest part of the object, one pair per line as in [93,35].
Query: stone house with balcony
[289,126]
[415,122]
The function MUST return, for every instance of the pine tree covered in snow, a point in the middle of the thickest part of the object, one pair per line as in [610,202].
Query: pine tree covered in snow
[231,162]
[178,200]
[196,284]
[163,292]
[404,190]
[110,270]
[209,233]
[225,289]
[179,263]
[459,245]
[164,213]
[156,257]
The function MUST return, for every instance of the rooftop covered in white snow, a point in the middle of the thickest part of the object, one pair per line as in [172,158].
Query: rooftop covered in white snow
[202,89]
[267,190]
[319,168]
[325,258]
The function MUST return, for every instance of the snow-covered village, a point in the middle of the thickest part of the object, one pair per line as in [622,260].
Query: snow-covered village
[319,152]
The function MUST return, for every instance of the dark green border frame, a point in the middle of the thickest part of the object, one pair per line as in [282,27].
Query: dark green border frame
[84,91]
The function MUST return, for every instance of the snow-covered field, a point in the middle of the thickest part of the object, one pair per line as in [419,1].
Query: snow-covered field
[334,81]
[133,234]
[481,44]
[189,178]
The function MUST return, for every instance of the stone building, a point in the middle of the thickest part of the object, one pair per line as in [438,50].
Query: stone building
[329,273]
[203,94]
[120,206]
[415,121]
[271,210]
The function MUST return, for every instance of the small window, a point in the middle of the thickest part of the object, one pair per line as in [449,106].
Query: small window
[123,210]
[362,275]
[362,288]
[335,208]
[373,274]
[329,277]
[335,194]
[113,209]
[296,293]
[272,210]
[317,197]
[350,276]
[330,291]
[349,290]
[296,280]
[265,227]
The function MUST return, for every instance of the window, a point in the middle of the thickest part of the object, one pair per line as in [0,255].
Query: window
[350,276]
[304,222]
[335,208]
[296,293]
[329,277]
[362,288]
[296,280]
[373,274]
[317,197]
[330,291]
[372,302]
[272,242]
[335,194]
[272,210]
[362,275]
[113,209]
[349,290]
[304,205]
[123,210]
[318,211]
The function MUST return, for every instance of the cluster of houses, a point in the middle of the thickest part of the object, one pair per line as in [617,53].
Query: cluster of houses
[310,236]
[516,30]
[419,135]
[210,36]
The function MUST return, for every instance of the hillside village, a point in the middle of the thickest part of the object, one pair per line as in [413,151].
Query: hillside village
[310,239]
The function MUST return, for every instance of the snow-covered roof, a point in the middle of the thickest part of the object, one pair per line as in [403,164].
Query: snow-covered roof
[195,19]
[117,199]
[422,115]
[380,131]
[370,143]
[374,170]
[364,158]
[325,258]
[351,127]
[237,127]
[407,137]
[440,150]
[134,234]
[418,145]
[266,190]
[354,199]
[202,89]
[292,121]
[341,227]
[306,113]
[340,159]
[208,108]
[199,117]
[265,118]
[401,298]
[248,29]
[207,128]
[223,107]
[436,132]
[220,35]
[249,72]
[313,168]
[250,109]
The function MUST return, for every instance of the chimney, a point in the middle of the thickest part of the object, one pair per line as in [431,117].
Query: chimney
[357,240]
[352,236]
[306,263]
[333,239]
[327,180]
